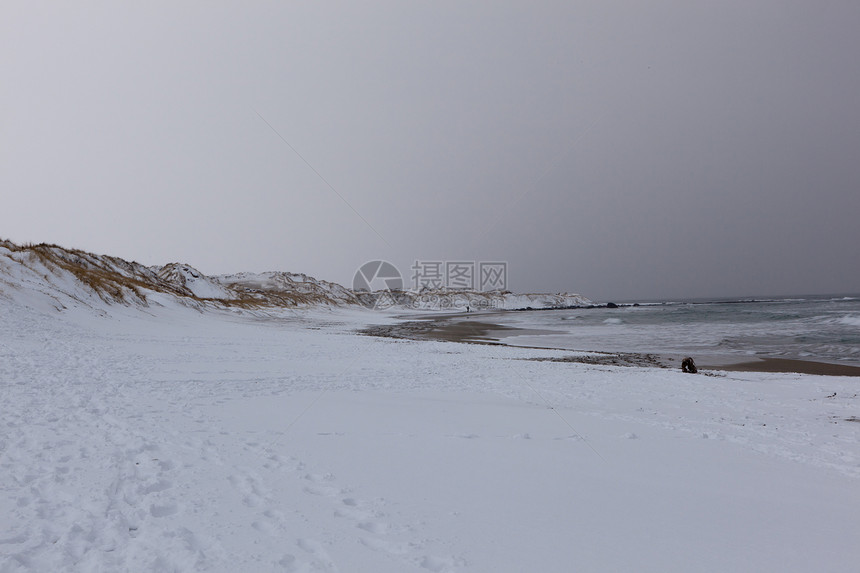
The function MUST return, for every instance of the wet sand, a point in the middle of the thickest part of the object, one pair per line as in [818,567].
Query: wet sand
[791,365]
[471,329]
[452,328]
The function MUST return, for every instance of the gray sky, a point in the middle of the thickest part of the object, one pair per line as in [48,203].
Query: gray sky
[626,149]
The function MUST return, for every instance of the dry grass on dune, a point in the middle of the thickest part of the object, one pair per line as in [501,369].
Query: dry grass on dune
[115,280]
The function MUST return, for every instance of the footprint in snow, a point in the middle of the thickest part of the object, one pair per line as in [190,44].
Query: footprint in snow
[289,563]
[320,555]
[265,526]
[318,485]
[351,509]
[384,546]
[160,485]
[440,564]
[165,510]
[249,487]
[376,527]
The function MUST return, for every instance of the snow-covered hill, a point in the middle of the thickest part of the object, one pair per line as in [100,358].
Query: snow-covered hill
[52,276]
[49,276]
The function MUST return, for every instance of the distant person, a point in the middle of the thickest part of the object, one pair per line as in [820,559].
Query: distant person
[688,366]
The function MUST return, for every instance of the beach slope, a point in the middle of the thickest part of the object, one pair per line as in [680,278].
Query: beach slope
[170,439]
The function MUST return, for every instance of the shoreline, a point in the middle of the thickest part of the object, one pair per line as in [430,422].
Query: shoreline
[789,365]
[462,328]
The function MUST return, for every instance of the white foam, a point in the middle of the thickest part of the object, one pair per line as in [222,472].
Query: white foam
[849,319]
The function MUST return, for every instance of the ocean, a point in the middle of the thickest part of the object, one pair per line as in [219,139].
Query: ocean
[819,328]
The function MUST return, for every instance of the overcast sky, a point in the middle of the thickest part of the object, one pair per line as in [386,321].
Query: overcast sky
[621,150]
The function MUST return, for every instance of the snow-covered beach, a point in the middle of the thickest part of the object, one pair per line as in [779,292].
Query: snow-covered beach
[429,287]
[168,439]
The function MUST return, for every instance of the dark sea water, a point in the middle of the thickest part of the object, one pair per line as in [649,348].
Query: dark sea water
[813,328]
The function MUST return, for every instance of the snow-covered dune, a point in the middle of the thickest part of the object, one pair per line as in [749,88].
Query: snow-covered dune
[289,289]
[195,282]
[56,277]
[49,276]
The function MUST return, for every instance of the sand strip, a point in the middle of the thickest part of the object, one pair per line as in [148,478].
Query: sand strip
[791,365]
[451,329]
[459,328]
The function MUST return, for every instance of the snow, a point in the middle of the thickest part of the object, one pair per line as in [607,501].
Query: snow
[196,282]
[169,439]
[512,301]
